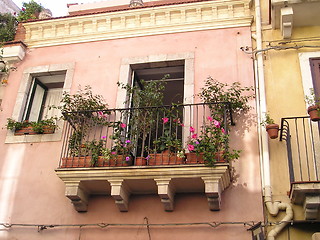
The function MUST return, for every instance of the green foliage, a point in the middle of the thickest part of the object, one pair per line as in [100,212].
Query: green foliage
[8,25]
[147,99]
[38,127]
[83,110]
[16,125]
[267,120]
[212,142]
[122,145]
[312,99]
[170,124]
[30,10]
[82,101]
[234,94]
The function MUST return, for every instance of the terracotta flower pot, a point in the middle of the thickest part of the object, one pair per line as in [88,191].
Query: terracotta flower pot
[314,113]
[193,158]
[272,130]
[165,158]
[117,161]
[86,161]
[219,157]
[140,161]
[74,162]
[29,131]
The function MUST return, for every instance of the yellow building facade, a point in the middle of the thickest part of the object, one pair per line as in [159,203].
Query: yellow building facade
[286,61]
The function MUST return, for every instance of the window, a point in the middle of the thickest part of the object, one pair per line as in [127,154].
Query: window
[44,91]
[40,87]
[174,83]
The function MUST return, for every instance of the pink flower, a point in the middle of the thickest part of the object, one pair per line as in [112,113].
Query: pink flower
[216,123]
[194,136]
[148,157]
[123,125]
[100,113]
[165,120]
[23,9]
[113,153]
[104,137]
[209,118]
[223,131]
[190,147]
[128,141]
[127,158]
[182,125]
[192,129]
[197,142]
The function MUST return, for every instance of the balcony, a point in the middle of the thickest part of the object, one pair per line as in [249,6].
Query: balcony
[303,150]
[112,153]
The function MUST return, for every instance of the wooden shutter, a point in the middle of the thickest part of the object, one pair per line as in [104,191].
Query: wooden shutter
[315,70]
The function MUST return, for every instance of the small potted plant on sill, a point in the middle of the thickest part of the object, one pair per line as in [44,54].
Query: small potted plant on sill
[46,126]
[314,106]
[271,127]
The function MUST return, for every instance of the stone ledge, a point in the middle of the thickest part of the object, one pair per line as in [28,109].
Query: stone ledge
[121,182]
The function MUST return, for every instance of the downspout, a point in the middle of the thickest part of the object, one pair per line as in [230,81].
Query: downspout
[272,207]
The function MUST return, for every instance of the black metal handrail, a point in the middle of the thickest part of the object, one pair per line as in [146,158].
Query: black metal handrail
[302,140]
[118,130]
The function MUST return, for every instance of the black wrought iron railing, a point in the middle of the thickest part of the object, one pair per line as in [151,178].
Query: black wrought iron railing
[139,136]
[303,148]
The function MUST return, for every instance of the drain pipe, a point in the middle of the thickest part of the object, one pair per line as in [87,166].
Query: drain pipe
[272,207]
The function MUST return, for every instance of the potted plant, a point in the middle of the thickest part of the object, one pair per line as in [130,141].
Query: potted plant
[144,101]
[83,110]
[314,106]
[195,154]
[271,127]
[168,147]
[123,146]
[46,126]
[212,145]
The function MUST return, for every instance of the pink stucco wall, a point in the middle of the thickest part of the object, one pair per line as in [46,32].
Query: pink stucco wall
[30,191]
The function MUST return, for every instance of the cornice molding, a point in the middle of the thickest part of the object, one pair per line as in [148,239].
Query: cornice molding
[139,22]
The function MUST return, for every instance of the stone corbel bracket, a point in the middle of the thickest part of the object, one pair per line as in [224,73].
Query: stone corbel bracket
[78,195]
[166,193]
[121,193]
[286,22]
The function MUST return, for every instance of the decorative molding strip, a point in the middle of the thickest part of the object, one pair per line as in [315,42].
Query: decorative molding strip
[139,22]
